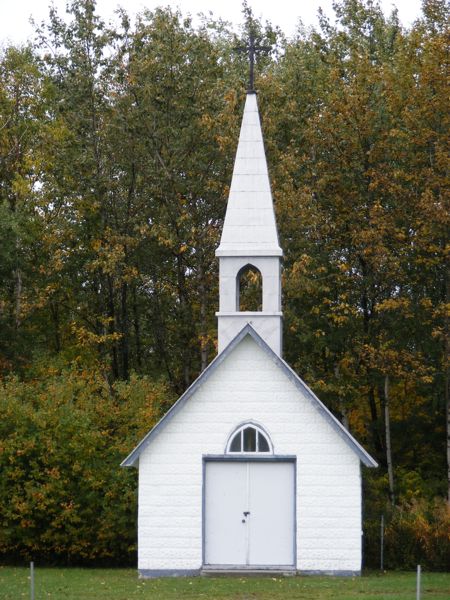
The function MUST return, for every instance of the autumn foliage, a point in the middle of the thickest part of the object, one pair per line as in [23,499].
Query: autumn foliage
[116,151]
[63,435]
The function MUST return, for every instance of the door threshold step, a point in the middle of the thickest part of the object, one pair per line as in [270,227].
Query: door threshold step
[263,572]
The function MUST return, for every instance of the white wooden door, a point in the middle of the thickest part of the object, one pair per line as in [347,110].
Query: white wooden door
[225,501]
[249,513]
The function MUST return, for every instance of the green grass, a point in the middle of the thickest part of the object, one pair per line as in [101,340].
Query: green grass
[123,584]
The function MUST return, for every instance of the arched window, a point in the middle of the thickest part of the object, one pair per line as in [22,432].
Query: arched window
[249,438]
[249,289]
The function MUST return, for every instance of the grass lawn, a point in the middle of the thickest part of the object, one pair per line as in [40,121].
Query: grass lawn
[123,584]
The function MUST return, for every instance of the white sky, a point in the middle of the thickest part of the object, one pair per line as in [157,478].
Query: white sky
[15,14]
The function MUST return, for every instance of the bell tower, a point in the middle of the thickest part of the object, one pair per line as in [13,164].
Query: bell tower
[249,241]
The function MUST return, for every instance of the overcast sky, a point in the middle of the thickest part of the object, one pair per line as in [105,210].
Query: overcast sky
[15,14]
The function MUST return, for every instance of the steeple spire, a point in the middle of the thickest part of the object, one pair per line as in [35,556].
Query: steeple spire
[249,241]
[250,228]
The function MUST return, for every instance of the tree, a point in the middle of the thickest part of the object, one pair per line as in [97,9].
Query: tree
[140,177]
[22,110]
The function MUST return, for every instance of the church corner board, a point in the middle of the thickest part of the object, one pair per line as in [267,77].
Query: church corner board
[249,471]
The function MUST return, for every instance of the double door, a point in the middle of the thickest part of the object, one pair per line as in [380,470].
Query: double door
[249,513]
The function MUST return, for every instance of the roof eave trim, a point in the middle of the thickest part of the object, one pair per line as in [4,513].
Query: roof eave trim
[364,456]
[132,458]
[239,250]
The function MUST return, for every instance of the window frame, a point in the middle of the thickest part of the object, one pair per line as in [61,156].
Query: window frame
[249,267]
[240,431]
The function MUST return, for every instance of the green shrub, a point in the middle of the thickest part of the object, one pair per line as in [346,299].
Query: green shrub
[63,496]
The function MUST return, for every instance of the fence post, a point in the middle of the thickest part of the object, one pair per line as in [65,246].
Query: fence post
[382,544]
[31,580]
[418,583]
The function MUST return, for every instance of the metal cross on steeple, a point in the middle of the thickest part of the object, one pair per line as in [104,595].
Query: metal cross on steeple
[252,50]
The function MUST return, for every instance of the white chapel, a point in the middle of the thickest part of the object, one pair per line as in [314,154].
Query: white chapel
[249,471]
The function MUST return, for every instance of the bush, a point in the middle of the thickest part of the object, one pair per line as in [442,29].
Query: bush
[63,496]
[416,532]
[419,533]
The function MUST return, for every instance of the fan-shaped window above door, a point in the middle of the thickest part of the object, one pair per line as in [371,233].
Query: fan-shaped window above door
[249,438]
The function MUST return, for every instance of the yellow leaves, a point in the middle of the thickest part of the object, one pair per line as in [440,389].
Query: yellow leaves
[111,255]
[96,245]
[224,142]
[60,458]
[338,319]
[398,362]
[396,304]
[346,364]
[130,274]
[143,229]
[343,267]
[57,261]
[207,121]
[301,265]
[87,338]
[338,312]
[53,472]
[438,333]
[231,98]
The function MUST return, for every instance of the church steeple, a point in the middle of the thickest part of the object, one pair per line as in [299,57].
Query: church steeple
[250,227]
[250,239]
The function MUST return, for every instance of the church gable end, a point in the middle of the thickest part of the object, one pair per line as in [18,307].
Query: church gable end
[286,372]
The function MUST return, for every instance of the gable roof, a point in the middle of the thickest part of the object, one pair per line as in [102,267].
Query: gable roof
[364,456]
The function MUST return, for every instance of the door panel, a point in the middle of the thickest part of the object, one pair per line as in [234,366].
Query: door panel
[271,521]
[226,495]
[265,536]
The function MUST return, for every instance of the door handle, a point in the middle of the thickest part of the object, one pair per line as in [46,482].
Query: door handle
[246,513]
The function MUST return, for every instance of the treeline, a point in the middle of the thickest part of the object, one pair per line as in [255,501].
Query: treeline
[116,151]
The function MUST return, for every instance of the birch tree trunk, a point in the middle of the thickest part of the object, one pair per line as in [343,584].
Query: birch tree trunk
[447,397]
[203,317]
[137,330]
[342,406]
[18,296]
[387,426]
[448,435]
